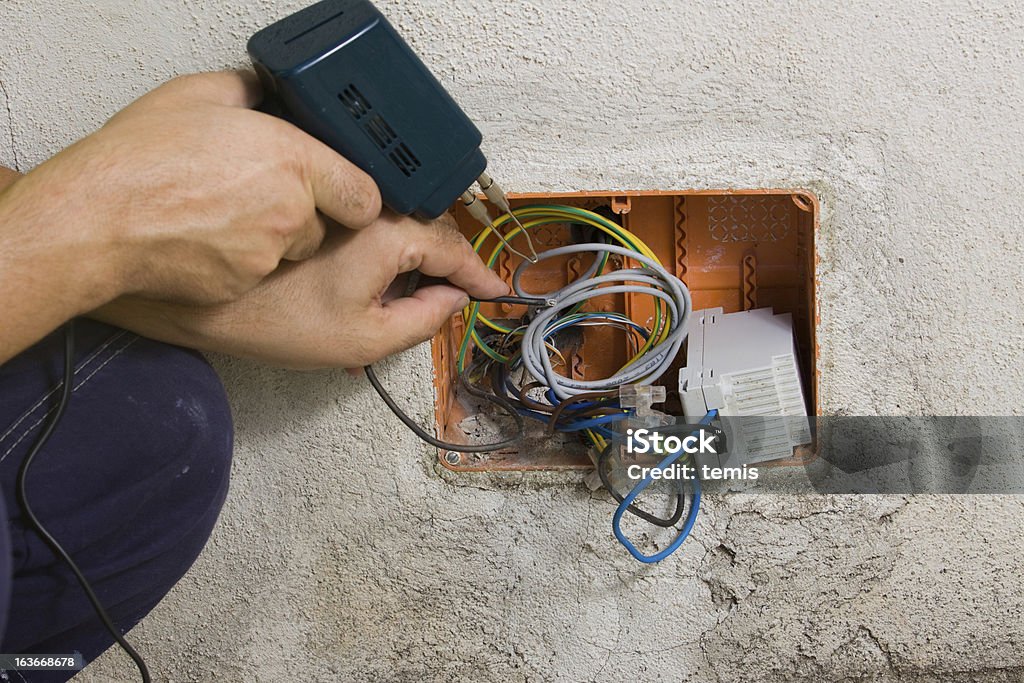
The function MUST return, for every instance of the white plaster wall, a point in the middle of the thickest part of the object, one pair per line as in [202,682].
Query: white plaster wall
[343,555]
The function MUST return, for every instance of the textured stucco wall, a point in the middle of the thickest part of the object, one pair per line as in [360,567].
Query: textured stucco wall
[343,555]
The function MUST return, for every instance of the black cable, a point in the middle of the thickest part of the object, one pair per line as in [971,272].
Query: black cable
[603,459]
[457,447]
[524,300]
[499,380]
[44,436]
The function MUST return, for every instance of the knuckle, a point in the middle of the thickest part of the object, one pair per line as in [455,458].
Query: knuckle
[289,139]
[446,230]
[447,221]
[185,79]
[439,237]
[229,286]
[176,82]
[409,258]
[315,235]
[263,263]
[301,210]
[183,84]
[306,249]
[299,253]
[289,215]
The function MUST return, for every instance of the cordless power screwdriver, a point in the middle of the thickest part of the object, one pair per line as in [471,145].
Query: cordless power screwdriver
[339,71]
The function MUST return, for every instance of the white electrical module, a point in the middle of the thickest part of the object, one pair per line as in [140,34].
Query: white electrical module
[744,365]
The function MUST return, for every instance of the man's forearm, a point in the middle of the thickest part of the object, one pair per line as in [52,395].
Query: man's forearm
[7,177]
[162,321]
[50,268]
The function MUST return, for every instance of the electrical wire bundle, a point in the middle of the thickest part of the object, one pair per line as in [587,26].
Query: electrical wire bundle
[514,363]
[529,349]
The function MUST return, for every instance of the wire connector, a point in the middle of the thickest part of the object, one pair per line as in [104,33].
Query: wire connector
[641,397]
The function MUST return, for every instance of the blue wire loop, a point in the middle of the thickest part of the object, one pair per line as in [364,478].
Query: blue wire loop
[691,516]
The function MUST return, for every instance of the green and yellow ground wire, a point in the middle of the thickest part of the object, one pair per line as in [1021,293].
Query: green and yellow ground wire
[532,217]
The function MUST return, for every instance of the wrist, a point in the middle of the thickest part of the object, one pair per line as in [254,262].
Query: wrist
[54,228]
[7,177]
[163,321]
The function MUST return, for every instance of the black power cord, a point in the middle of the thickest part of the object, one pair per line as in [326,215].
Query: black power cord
[603,465]
[22,495]
[524,300]
[457,447]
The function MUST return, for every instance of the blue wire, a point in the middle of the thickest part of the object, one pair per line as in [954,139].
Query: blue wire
[573,426]
[584,405]
[691,516]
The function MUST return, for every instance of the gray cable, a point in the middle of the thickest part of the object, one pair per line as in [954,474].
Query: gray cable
[652,280]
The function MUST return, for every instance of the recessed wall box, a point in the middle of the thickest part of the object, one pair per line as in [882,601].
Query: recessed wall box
[735,250]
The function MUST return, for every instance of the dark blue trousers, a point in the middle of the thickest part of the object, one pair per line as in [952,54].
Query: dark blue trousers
[130,483]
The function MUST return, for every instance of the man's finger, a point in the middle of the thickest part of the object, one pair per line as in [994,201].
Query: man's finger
[438,249]
[229,88]
[407,321]
[308,240]
[341,189]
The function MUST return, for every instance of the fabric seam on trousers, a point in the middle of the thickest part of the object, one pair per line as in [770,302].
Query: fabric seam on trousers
[35,424]
[81,366]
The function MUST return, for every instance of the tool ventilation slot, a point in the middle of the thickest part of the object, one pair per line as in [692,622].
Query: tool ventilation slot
[404,159]
[379,130]
[354,102]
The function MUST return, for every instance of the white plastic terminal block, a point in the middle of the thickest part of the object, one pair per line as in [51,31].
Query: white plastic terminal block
[641,397]
[744,364]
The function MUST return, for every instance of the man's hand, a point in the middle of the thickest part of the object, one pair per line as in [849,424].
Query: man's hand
[331,310]
[186,195]
[209,195]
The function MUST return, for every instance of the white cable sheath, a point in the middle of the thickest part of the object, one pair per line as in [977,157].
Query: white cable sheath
[652,280]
